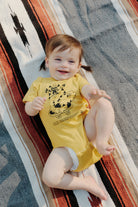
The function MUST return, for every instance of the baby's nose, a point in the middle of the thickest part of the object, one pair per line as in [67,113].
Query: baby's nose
[64,63]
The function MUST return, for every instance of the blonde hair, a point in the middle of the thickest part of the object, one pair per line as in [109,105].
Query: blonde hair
[64,42]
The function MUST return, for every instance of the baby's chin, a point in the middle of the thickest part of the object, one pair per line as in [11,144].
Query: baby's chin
[62,76]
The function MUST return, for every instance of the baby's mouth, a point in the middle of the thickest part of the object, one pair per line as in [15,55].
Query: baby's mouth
[63,71]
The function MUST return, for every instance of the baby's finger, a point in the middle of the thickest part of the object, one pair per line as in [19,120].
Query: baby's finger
[40,100]
[38,108]
[104,94]
[37,104]
[107,96]
[44,99]
[94,91]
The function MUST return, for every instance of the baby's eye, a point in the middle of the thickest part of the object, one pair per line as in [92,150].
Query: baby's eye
[58,59]
[71,61]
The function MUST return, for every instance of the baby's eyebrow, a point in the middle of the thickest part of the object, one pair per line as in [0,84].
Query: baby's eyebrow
[72,59]
[57,56]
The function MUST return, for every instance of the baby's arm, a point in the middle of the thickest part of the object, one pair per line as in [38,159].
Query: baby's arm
[33,108]
[90,92]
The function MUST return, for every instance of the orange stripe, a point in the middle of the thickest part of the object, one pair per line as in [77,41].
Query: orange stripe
[118,181]
[95,201]
[6,65]
[123,181]
[43,20]
[61,199]
[134,5]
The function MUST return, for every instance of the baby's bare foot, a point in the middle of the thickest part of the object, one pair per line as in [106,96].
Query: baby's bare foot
[105,149]
[93,188]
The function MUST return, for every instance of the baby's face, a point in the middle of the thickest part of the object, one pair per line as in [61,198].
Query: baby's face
[63,64]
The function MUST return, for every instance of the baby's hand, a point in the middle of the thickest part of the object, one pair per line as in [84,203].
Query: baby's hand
[89,92]
[97,93]
[37,103]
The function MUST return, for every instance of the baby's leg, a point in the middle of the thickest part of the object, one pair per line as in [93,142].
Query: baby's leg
[55,175]
[99,124]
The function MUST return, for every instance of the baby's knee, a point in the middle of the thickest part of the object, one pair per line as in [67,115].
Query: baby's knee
[105,104]
[51,177]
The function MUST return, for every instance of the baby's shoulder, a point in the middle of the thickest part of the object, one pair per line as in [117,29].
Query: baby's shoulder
[43,80]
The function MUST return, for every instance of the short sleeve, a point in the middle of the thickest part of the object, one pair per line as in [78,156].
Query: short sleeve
[82,81]
[33,91]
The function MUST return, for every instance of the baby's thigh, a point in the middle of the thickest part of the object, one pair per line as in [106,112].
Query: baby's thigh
[90,125]
[59,161]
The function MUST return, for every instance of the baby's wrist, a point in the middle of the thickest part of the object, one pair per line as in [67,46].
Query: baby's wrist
[29,109]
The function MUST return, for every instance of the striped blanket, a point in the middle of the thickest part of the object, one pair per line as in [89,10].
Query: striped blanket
[108,31]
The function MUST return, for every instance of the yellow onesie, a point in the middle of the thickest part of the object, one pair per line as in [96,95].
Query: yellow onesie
[63,114]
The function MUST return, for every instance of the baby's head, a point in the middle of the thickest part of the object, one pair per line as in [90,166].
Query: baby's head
[64,42]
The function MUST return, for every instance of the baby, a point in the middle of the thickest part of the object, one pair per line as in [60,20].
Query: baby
[79,134]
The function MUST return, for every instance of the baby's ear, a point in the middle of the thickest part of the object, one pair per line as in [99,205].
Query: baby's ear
[46,62]
[79,66]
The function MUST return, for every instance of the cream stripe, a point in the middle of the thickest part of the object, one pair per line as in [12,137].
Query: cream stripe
[23,152]
[57,11]
[124,186]
[130,11]
[127,20]
[125,156]
[53,4]
[131,20]
[132,5]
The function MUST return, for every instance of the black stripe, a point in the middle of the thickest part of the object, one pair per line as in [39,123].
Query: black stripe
[14,62]
[35,23]
[72,198]
[114,195]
